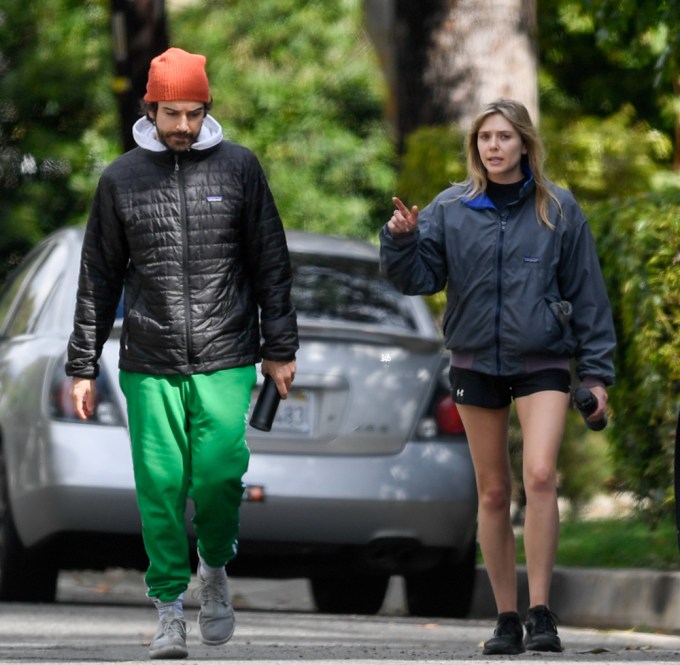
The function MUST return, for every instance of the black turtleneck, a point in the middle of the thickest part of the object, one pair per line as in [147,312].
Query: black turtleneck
[503,195]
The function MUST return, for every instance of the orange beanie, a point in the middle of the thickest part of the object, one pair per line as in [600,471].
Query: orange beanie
[177,75]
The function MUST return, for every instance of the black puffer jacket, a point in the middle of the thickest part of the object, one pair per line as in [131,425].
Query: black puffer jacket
[197,242]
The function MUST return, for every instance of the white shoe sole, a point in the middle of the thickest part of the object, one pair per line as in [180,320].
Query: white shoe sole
[173,652]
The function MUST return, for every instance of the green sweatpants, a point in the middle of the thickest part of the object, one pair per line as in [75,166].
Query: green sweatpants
[188,440]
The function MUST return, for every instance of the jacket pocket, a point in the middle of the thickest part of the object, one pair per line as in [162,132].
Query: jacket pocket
[562,310]
[543,328]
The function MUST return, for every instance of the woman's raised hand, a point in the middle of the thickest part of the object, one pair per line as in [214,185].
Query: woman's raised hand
[403,220]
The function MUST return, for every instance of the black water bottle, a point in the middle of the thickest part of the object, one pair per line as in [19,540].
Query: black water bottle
[586,403]
[266,405]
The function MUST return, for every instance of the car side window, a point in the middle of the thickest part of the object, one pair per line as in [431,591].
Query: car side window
[34,284]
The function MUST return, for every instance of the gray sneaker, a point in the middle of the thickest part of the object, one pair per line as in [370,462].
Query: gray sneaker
[216,619]
[170,640]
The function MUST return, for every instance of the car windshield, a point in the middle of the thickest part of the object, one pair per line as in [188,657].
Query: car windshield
[348,290]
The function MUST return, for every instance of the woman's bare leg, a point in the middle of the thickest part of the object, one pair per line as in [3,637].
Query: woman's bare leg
[542,418]
[487,433]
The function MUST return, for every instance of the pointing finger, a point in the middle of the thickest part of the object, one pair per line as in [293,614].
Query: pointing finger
[400,206]
[410,216]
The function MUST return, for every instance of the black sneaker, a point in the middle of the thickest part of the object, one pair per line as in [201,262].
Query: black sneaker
[541,630]
[507,637]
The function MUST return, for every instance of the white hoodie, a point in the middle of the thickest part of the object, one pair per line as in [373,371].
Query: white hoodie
[144,133]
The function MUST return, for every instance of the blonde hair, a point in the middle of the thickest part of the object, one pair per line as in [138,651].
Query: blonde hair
[517,114]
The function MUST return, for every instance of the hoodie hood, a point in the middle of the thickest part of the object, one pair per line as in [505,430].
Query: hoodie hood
[144,133]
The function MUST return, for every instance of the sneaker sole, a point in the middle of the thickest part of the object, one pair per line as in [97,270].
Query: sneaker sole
[169,653]
[213,643]
[497,651]
[547,645]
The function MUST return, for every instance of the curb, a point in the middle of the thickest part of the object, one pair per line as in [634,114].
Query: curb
[597,598]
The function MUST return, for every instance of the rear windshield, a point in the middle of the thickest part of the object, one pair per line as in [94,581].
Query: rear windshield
[349,291]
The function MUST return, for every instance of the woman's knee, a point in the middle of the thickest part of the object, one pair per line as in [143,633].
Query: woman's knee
[540,479]
[495,498]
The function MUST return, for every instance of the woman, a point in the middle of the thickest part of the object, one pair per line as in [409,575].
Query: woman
[525,295]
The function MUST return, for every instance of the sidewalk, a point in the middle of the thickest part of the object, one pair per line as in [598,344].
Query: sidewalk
[599,598]
[581,597]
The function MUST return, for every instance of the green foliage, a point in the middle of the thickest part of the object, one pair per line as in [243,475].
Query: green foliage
[599,158]
[639,244]
[633,32]
[298,83]
[629,542]
[584,466]
[613,165]
[53,93]
[598,56]
[434,158]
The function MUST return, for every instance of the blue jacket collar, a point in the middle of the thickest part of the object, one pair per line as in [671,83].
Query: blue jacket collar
[483,202]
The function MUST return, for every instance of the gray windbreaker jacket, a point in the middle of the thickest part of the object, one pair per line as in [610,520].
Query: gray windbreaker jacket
[520,297]
[196,241]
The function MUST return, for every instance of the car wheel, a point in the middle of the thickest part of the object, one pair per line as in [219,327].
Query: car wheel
[26,575]
[444,590]
[349,593]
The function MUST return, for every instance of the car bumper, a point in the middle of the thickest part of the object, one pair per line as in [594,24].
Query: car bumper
[82,482]
[425,494]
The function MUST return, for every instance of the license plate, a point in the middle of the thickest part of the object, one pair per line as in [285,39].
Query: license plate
[295,414]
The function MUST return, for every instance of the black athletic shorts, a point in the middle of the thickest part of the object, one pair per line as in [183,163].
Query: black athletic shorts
[496,392]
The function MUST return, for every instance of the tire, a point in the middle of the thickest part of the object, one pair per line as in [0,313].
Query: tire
[444,590]
[27,575]
[349,593]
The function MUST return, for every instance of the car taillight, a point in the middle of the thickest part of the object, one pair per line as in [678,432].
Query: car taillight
[447,416]
[61,405]
[442,417]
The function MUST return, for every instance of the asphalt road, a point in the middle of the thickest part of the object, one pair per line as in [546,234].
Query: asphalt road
[106,619]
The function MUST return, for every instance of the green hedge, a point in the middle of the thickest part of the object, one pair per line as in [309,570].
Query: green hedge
[639,245]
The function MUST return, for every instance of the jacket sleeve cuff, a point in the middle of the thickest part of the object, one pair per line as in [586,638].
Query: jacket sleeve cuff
[592,382]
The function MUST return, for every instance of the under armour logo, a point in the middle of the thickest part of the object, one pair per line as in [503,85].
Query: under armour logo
[460,392]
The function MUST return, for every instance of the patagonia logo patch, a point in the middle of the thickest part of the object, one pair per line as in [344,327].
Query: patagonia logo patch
[531,259]
[216,198]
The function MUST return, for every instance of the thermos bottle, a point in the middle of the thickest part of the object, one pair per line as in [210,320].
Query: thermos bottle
[265,406]
[586,403]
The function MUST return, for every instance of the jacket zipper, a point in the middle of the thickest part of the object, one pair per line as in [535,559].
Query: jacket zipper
[499,287]
[185,258]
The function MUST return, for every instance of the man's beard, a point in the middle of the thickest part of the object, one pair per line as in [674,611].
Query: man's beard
[176,141]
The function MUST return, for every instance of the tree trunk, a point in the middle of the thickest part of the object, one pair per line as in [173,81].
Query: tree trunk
[484,49]
[139,32]
[445,59]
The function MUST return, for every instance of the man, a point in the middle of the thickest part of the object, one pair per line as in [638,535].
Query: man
[186,225]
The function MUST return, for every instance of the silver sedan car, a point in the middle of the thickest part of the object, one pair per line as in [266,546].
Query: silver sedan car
[365,474]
